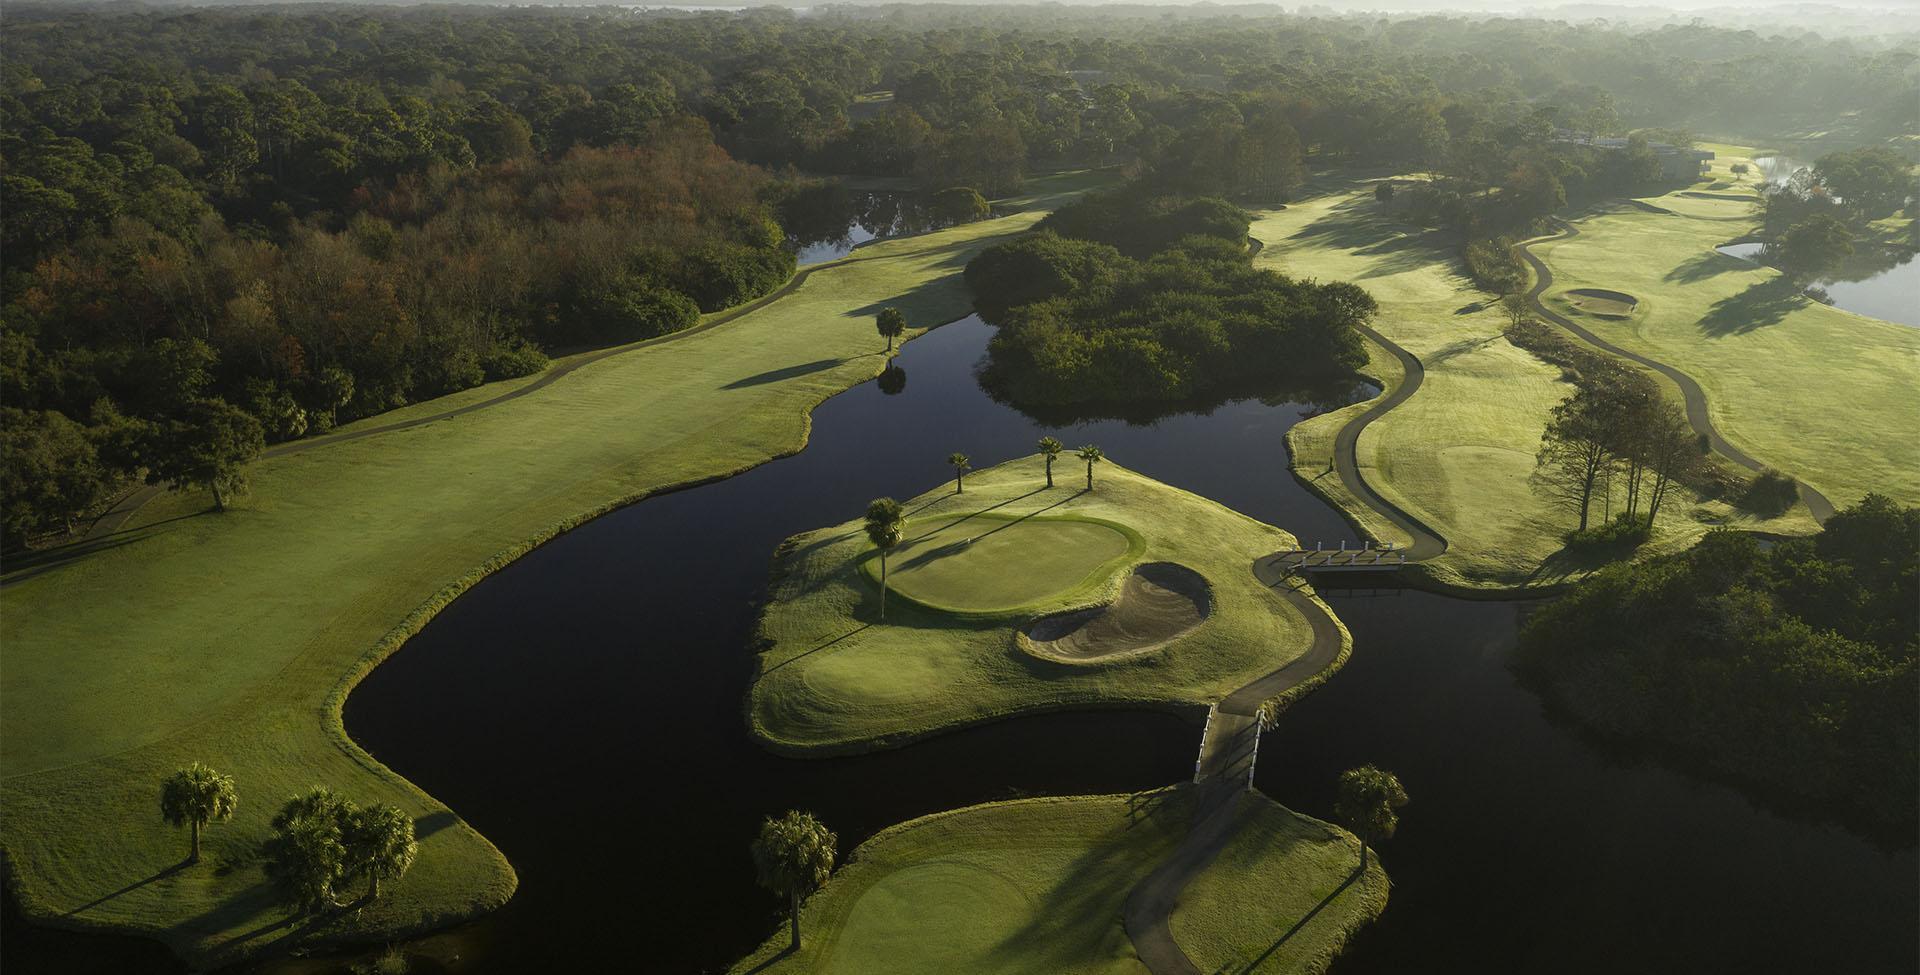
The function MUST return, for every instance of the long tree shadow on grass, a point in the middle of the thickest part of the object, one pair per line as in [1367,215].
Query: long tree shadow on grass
[785,372]
[130,888]
[816,649]
[1764,304]
[1281,941]
[1704,265]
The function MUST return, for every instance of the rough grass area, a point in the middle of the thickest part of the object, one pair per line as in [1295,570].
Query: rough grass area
[1036,886]
[232,639]
[1244,915]
[1459,453]
[1821,393]
[991,563]
[833,677]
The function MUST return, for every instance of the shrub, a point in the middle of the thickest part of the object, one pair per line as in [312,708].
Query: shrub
[510,360]
[959,204]
[1624,531]
[1769,494]
[632,310]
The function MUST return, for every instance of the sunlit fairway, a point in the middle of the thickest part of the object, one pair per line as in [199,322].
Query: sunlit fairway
[995,563]
[1821,393]
[1459,453]
[835,677]
[1038,885]
[233,639]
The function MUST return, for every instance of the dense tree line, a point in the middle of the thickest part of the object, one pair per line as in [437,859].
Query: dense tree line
[1790,666]
[1080,321]
[351,208]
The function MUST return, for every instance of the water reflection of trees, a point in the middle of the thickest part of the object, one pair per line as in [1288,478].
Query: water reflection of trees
[1313,397]
[828,214]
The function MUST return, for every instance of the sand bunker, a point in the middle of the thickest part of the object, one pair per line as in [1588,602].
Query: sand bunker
[1601,302]
[1159,603]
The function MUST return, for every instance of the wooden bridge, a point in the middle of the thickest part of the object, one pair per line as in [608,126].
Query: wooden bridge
[1364,558]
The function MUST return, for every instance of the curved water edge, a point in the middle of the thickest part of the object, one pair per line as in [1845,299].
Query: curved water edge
[1878,285]
[671,786]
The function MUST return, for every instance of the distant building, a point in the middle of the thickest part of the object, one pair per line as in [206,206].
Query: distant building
[1676,163]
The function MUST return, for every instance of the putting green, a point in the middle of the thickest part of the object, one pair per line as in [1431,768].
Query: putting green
[986,909]
[989,564]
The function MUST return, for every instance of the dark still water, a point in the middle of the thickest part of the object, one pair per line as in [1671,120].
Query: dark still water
[583,709]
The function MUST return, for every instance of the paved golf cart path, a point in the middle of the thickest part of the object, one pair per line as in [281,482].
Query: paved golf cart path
[1696,398]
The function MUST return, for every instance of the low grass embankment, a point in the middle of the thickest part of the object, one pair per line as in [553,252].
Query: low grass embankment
[1459,454]
[1037,885]
[233,639]
[1820,393]
[834,677]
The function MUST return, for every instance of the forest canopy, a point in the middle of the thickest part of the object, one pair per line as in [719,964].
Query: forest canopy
[1787,665]
[316,213]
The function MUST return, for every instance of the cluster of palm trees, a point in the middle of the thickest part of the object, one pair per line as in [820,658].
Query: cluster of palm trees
[321,840]
[887,519]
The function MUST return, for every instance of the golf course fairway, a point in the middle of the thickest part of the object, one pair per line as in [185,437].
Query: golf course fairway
[1037,885]
[1458,454]
[232,639]
[834,677]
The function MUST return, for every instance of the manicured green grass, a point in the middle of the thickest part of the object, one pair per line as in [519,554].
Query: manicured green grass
[1037,885]
[833,677]
[232,639]
[1821,393]
[1284,896]
[992,563]
[1459,453]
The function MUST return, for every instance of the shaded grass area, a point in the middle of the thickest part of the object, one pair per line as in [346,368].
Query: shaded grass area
[991,563]
[1037,885]
[833,678]
[1283,896]
[1821,393]
[233,639]
[1459,453]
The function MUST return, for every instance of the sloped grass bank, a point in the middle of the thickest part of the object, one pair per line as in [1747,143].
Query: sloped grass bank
[232,639]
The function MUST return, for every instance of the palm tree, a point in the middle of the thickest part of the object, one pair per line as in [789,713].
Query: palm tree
[1368,804]
[379,842]
[960,463]
[793,856]
[307,855]
[890,323]
[197,795]
[886,522]
[1092,455]
[1050,449]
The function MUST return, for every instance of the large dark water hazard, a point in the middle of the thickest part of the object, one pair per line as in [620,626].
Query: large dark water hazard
[583,709]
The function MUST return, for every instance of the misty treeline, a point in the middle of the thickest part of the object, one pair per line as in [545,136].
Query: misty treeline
[308,215]
[1789,666]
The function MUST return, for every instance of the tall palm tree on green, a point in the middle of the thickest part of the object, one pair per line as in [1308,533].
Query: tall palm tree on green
[379,841]
[1092,455]
[793,856]
[886,523]
[960,462]
[197,795]
[1050,449]
[1368,803]
[890,323]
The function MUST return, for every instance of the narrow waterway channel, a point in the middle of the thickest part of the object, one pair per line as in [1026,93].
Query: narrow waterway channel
[583,709]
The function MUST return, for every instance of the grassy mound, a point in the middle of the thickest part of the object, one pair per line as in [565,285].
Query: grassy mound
[988,563]
[1037,885]
[1159,603]
[833,676]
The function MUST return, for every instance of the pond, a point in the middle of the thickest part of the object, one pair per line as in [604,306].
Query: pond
[582,709]
[826,222]
[1878,284]
[1778,169]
